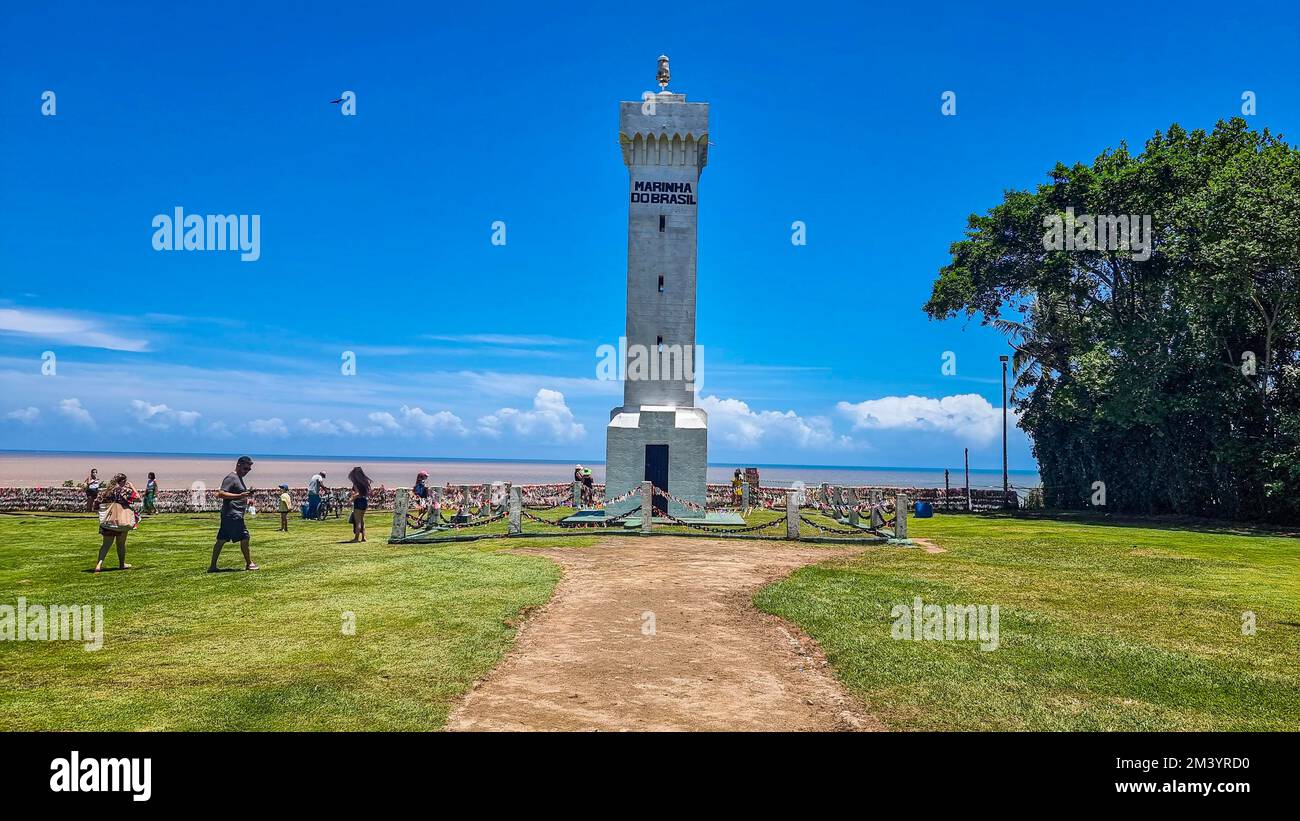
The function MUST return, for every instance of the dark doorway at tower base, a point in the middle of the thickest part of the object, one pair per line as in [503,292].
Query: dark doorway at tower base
[656,473]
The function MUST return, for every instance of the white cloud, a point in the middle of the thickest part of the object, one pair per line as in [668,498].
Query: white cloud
[968,415]
[70,330]
[733,422]
[385,420]
[162,417]
[28,415]
[268,427]
[323,427]
[409,420]
[550,418]
[218,430]
[429,423]
[72,409]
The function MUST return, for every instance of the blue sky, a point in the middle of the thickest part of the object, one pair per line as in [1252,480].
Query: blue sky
[375,229]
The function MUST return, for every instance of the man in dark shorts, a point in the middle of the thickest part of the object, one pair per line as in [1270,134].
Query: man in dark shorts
[234,496]
[93,487]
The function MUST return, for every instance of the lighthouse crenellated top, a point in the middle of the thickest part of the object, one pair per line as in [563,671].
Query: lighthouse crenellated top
[662,114]
[664,130]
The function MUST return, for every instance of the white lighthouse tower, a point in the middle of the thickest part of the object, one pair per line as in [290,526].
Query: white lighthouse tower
[658,434]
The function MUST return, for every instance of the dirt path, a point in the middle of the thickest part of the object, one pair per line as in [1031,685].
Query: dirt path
[660,634]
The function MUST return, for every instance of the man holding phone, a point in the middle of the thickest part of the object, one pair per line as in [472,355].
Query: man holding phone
[234,496]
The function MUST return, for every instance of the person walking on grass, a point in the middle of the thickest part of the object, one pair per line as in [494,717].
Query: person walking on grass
[119,521]
[360,502]
[150,496]
[286,501]
[234,496]
[92,487]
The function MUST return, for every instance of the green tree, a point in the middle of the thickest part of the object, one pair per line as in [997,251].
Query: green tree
[1166,367]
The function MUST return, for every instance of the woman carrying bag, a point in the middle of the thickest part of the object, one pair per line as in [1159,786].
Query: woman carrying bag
[119,519]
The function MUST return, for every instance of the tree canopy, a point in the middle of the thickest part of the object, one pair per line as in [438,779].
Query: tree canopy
[1166,372]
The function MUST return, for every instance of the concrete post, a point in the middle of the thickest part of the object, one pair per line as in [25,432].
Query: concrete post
[853,516]
[577,495]
[900,516]
[464,500]
[401,503]
[744,497]
[647,507]
[791,515]
[516,510]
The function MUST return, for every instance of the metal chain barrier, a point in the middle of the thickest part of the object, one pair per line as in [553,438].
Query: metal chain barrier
[579,525]
[666,495]
[531,517]
[566,501]
[834,530]
[723,529]
[489,520]
[624,496]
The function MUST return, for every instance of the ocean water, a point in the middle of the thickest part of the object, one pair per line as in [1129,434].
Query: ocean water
[43,469]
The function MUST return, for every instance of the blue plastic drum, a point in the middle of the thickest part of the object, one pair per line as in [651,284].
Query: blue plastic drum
[923,510]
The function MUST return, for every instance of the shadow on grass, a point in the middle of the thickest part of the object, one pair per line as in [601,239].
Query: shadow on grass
[1193,524]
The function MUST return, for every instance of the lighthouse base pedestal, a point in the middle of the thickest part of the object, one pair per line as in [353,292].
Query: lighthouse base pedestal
[663,444]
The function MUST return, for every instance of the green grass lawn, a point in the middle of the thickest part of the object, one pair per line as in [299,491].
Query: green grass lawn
[185,650]
[1103,627]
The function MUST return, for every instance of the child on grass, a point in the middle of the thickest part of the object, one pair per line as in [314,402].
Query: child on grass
[286,502]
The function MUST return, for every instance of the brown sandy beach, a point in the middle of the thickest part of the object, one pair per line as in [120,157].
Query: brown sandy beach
[33,469]
[44,470]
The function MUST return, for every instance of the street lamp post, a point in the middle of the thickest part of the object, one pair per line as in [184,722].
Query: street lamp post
[1006,484]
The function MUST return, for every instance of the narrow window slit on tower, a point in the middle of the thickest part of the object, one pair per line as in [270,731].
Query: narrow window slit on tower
[662,220]
[659,343]
[661,283]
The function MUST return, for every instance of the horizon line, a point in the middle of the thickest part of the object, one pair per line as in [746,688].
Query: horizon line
[349,457]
